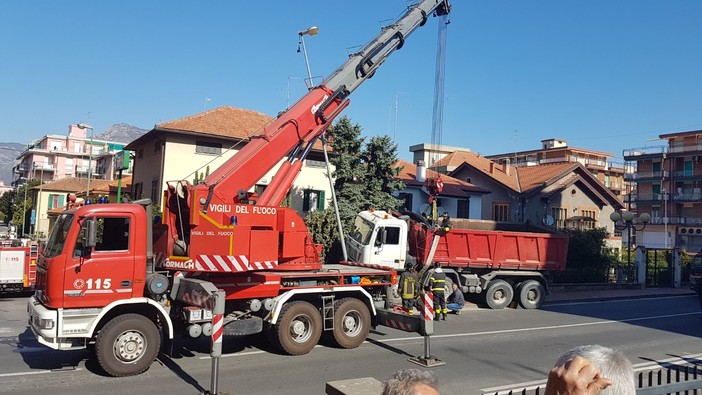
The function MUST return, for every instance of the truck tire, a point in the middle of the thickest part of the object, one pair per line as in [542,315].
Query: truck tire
[299,328]
[499,294]
[127,345]
[531,294]
[352,323]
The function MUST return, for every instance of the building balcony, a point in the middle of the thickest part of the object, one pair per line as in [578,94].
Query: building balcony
[85,170]
[685,148]
[696,173]
[554,160]
[644,197]
[615,186]
[647,175]
[43,167]
[636,153]
[695,196]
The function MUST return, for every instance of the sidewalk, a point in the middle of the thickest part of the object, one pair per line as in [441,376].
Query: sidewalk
[564,294]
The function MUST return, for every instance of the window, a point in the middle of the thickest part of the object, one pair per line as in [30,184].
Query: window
[155,190]
[560,215]
[112,234]
[140,154]
[208,148]
[315,163]
[138,190]
[157,146]
[313,200]
[392,235]
[463,208]
[259,189]
[588,224]
[406,200]
[69,165]
[55,201]
[500,212]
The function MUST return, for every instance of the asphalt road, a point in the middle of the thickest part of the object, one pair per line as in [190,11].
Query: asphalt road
[483,350]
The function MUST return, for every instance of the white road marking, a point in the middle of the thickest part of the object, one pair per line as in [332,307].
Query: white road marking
[596,300]
[37,372]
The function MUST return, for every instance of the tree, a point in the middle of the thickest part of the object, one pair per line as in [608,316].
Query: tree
[6,204]
[380,155]
[588,258]
[364,178]
[22,207]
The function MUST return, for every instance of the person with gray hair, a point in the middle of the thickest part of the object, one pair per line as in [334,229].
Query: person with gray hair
[411,382]
[592,369]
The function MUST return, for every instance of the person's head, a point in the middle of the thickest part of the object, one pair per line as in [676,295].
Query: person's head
[613,364]
[411,382]
[454,286]
[437,264]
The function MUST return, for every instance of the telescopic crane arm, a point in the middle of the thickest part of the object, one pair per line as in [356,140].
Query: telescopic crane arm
[297,128]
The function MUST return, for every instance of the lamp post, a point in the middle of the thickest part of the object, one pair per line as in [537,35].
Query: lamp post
[37,211]
[312,30]
[627,220]
[90,158]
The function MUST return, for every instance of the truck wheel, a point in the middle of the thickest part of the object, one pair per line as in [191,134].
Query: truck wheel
[351,323]
[298,329]
[499,294]
[531,294]
[127,345]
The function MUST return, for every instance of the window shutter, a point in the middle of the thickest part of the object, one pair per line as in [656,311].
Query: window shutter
[51,201]
[320,201]
[61,201]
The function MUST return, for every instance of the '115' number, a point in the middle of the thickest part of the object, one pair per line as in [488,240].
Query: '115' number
[99,283]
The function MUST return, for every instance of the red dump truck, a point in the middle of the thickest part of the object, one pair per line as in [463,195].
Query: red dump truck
[503,262]
[18,266]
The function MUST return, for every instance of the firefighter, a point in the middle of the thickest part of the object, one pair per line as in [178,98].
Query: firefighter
[437,284]
[408,287]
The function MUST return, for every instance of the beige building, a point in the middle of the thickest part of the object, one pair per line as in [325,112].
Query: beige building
[190,148]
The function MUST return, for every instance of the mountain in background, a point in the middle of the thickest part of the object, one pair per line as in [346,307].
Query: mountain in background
[8,153]
[121,133]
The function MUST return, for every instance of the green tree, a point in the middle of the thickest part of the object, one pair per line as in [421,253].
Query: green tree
[22,207]
[380,156]
[589,260]
[364,178]
[6,204]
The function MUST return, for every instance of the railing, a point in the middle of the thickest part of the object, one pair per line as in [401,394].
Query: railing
[554,160]
[643,175]
[687,173]
[685,148]
[687,196]
[645,151]
[670,379]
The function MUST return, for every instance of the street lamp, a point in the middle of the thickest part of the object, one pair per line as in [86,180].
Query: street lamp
[627,220]
[38,202]
[90,158]
[312,30]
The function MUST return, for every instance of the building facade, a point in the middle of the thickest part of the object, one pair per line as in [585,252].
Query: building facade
[601,164]
[667,185]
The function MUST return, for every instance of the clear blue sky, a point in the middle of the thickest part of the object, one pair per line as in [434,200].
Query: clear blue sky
[604,75]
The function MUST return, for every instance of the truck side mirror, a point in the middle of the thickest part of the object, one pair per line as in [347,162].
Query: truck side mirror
[90,233]
[382,237]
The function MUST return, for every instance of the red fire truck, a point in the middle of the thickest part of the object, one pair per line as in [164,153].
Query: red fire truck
[17,266]
[108,277]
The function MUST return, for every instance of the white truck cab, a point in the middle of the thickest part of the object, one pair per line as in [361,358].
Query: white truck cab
[378,238]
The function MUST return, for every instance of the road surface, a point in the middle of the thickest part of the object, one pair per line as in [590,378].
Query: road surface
[484,350]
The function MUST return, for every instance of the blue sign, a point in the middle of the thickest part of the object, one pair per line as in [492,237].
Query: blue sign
[33,217]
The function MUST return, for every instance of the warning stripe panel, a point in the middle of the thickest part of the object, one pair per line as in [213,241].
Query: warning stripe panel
[229,263]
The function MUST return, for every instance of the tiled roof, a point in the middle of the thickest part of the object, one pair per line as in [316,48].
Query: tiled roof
[225,122]
[459,158]
[222,121]
[71,185]
[452,186]
[531,177]
[76,185]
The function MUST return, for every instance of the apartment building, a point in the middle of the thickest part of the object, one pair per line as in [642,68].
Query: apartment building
[601,164]
[75,155]
[668,185]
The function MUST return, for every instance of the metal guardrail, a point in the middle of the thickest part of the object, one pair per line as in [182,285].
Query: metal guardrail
[672,379]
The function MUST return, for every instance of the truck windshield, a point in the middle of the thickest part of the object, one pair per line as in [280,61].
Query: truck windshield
[362,230]
[57,239]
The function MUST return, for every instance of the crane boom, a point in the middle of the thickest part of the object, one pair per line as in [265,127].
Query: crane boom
[219,214]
